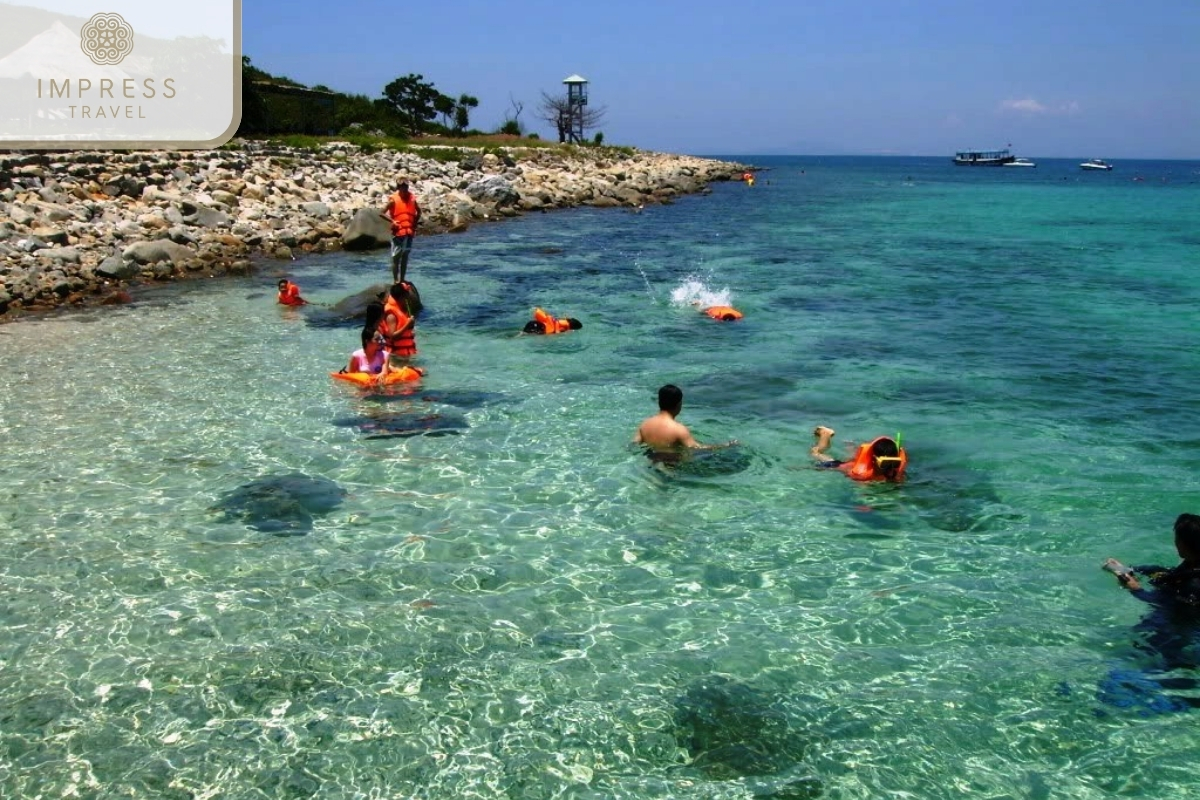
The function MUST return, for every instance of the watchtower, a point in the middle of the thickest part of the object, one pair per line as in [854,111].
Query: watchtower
[576,100]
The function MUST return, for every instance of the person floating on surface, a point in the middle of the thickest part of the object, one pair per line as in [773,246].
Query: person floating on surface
[881,459]
[404,213]
[663,433]
[289,294]
[544,323]
[723,313]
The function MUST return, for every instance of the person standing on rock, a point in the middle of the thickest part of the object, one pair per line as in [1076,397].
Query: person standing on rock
[404,214]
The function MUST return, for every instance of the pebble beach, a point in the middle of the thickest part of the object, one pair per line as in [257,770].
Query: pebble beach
[81,227]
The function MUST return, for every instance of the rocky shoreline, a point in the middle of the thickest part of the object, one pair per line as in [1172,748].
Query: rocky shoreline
[79,227]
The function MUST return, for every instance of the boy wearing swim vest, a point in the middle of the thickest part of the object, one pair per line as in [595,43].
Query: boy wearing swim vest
[404,213]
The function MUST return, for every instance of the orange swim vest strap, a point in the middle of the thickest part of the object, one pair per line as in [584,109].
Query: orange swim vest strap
[863,468]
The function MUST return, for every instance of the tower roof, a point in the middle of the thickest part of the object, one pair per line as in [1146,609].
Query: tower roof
[575,79]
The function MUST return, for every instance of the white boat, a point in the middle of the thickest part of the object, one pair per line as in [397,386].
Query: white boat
[1020,162]
[1095,163]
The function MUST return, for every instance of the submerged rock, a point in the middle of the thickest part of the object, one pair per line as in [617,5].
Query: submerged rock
[351,311]
[389,425]
[283,505]
[736,731]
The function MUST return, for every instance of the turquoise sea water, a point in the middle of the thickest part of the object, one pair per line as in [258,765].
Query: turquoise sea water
[515,603]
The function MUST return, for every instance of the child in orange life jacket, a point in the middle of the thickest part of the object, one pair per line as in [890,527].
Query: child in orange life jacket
[879,460]
[289,293]
[544,323]
[396,326]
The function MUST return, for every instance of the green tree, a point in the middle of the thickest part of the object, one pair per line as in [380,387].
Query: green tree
[413,99]
[462,111]
[444,105]
[255,118]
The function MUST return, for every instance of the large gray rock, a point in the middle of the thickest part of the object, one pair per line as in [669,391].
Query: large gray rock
[115,267]
[367,231]
[209,218]
[316,209]
[493,189]
[156,251]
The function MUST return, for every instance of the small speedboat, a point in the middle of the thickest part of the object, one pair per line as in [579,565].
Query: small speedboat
[1020,162]
[1095,163]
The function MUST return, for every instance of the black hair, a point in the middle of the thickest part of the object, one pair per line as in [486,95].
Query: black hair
[399,292]
[574,323]
[1187,531]
[670,397]
[373,316]
[886,448]
[282,282]
[367,337]
[533,326]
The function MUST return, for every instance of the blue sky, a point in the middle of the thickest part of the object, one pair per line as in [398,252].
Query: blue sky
[1069,78]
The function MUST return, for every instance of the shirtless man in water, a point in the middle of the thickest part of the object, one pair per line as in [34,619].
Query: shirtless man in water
[662,432]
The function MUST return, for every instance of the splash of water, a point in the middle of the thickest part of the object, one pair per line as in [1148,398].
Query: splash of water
[646,278]
[693,291]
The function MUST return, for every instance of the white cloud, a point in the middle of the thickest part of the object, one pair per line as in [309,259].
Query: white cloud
[1027,105]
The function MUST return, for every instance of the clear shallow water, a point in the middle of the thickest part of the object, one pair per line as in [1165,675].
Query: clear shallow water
[522,606]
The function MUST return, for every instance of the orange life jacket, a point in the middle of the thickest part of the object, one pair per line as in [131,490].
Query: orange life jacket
[290,295]
[551,324]
[403,213]
[723,313]
[399,342]
[866,465]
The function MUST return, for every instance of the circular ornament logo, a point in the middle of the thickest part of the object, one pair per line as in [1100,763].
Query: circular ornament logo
[106,39]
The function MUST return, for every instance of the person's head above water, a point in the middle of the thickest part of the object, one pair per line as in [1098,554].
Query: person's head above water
[1187,536]
[886,455]
[533,326]
[574,323]
[670,398]
[283,282]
